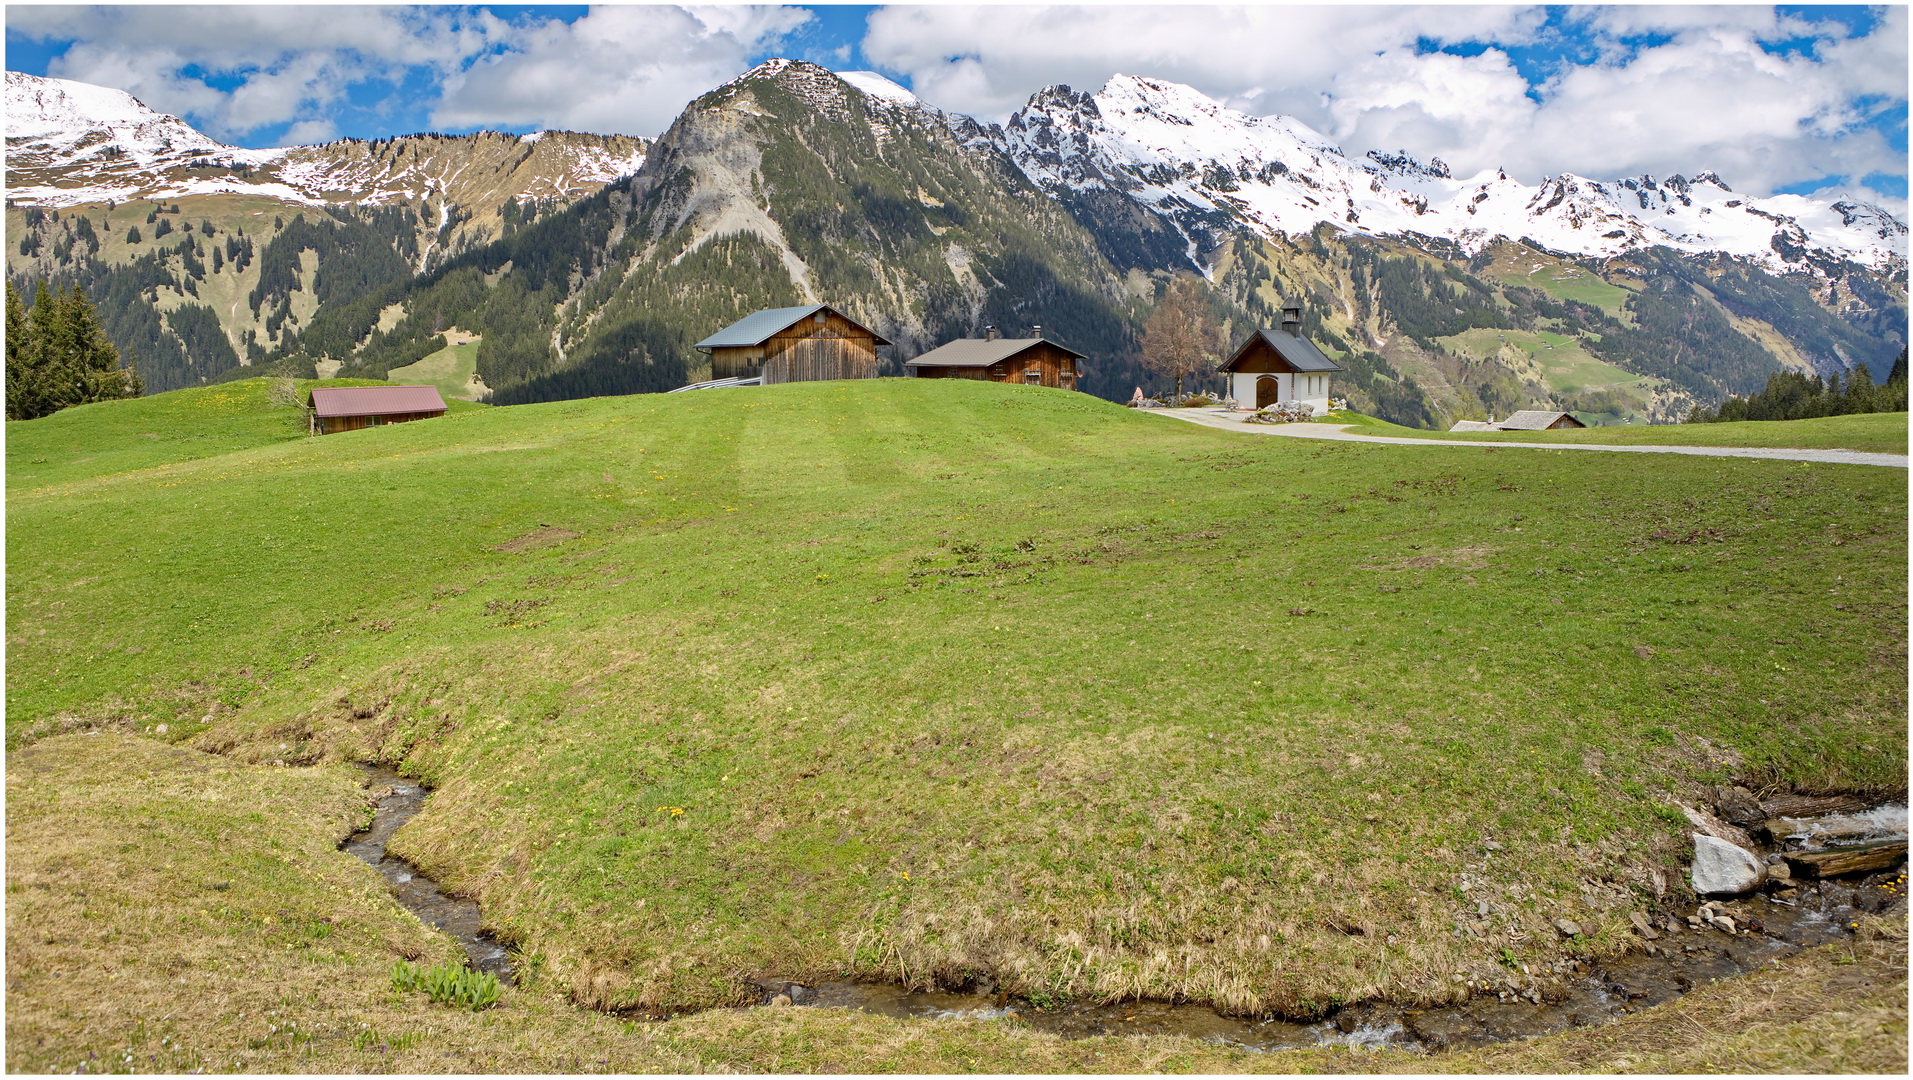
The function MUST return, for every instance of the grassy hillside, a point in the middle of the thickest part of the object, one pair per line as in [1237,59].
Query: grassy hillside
[1876,433]
[233,936]
[110,437]
[924,679]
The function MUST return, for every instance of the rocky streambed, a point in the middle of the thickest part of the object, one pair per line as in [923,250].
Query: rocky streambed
[398,801]
[1790,905]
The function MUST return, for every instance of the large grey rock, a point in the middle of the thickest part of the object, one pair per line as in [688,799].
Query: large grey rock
[1721,868]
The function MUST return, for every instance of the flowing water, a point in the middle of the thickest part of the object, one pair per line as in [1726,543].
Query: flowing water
[417,893]
[1685,958]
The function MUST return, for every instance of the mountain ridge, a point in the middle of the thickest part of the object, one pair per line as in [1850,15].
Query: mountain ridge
[792,183]
[1208,167]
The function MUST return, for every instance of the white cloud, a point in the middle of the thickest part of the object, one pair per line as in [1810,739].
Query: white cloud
[628,70]
[1709,97]
[987,60]
[291,61]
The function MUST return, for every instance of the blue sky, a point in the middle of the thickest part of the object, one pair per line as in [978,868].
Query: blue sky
[1793,98]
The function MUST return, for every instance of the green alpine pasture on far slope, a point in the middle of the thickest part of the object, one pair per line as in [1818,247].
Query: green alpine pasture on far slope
[926,680]
[111,437]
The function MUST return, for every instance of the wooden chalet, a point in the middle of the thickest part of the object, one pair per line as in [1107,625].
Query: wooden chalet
[1034,360]
[795,344]
[348,408]
[1280,365]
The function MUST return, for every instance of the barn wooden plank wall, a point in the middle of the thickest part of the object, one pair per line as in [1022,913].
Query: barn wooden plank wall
[1054,367]
[812,351]
[332,425]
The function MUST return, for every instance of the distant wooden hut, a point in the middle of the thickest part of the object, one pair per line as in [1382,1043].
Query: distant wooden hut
[1539,420]
[334,409]
[1034,360]
[1280,365]
[795,344]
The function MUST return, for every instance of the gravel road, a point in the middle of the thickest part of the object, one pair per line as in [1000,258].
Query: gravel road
[1232,421]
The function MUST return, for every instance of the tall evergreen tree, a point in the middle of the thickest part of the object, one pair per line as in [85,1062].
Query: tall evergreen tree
[57,355]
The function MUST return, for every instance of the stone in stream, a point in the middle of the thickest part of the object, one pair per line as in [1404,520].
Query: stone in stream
[1738,805]
[1721,868]
[1642,927]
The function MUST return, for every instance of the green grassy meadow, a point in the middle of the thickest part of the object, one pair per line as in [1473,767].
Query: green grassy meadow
[169,910]
[1563,281]
[1566,366]
[450,369]
[1876,433]
[115,438]
[922,680]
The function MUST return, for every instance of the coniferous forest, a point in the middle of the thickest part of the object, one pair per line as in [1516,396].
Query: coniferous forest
[58,355]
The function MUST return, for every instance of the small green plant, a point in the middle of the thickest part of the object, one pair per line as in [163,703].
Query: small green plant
[448,984]
[1508,959]
[370,1039]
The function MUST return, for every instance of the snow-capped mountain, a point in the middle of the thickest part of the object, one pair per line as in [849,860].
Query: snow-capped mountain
[70,143]
[1208,168]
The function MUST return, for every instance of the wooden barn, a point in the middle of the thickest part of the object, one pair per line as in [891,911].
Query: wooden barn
[1538,420]
[1280,365]
[1034,360]
[349,408]
[795,344]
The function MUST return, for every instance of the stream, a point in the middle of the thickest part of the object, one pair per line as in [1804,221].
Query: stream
[415,892]
[1683,958]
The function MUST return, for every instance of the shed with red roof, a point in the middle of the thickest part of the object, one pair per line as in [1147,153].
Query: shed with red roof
[349,408]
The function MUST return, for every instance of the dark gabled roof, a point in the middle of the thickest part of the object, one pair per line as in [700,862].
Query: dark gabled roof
[328,401]
[758,326]
[982,352]
[1299,352]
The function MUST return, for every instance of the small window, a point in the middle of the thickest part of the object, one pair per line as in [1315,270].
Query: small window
[1033,375]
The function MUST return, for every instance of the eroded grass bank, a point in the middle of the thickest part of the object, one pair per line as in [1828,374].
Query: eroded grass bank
[923,681]
[169,911]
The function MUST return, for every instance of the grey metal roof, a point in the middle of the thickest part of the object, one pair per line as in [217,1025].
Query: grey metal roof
[1300,353]
[981,352]
[1473,425]
[754,328]
[1535,420]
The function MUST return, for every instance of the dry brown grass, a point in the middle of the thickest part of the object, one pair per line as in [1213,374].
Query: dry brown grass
[170,910]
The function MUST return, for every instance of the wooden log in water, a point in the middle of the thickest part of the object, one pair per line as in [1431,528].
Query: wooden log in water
[1851,860]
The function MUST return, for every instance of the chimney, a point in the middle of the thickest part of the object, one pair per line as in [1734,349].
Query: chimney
[1292,320]
[1036,331]
[989,333]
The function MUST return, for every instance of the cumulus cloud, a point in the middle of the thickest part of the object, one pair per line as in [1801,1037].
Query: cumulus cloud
[1667,90]
[236,70]
[626,70]
[283,63]
[987,60]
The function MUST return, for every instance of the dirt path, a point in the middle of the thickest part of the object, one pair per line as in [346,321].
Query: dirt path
[1230,421]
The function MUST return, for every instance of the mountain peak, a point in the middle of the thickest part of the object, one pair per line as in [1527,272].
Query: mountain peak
[71,121]
[876,86]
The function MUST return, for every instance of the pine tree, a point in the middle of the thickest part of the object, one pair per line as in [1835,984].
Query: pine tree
[57,356]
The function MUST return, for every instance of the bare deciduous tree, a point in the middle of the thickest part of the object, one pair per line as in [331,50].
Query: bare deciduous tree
[1179,340]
